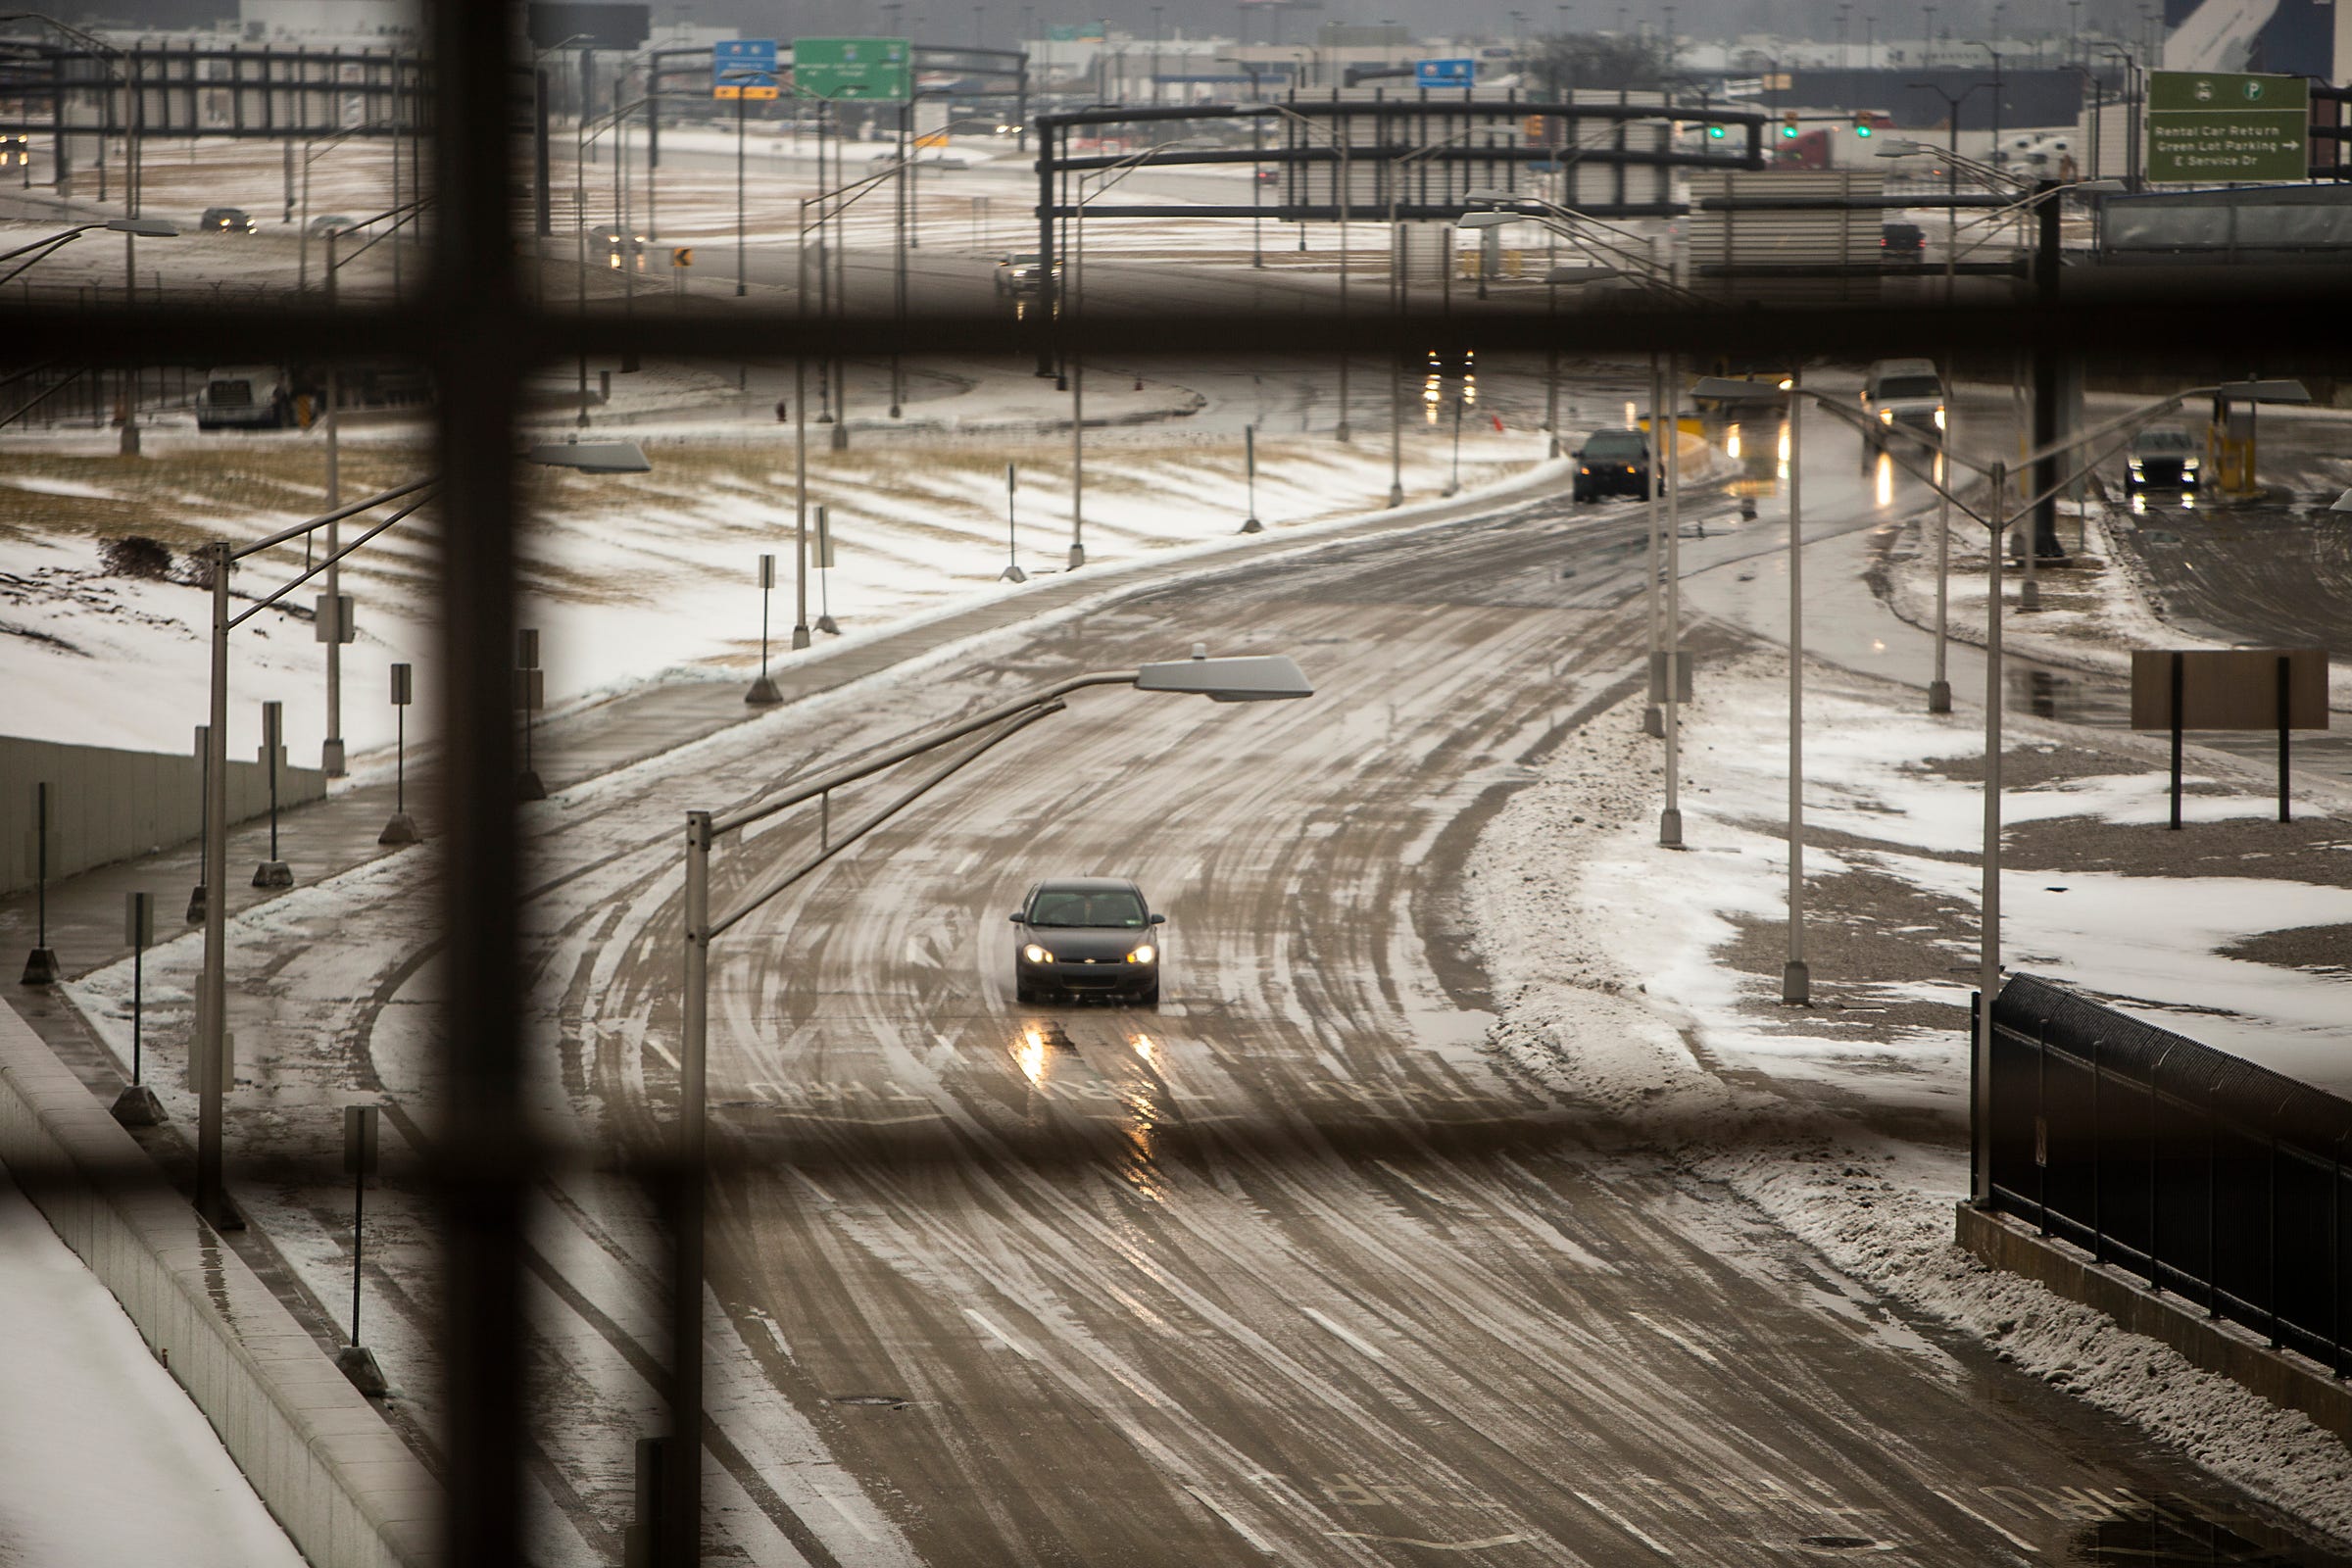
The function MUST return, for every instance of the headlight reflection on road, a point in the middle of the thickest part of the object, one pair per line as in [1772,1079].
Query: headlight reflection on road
[1142,1166]
[1885,479]
[1731,443]
[1029,1054]
[1783,453]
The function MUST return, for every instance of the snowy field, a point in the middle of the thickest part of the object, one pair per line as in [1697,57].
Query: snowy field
[627,576]
[1646,982]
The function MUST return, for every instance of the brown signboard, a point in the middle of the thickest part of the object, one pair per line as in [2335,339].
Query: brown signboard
[2228,688]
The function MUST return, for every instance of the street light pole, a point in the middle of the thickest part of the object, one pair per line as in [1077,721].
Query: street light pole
[1796,979]
[1939,687]
[1670,820]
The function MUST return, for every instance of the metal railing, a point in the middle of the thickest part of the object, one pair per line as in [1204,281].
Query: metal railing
[2199,1171]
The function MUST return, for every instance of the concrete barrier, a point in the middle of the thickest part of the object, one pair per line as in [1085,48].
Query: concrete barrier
[343,1485]
[107,804]
[2213,1344]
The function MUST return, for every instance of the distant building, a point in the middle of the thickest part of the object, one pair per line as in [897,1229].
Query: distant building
[331,19]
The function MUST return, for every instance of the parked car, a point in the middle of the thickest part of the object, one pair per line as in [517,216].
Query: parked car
[2163,456]
[227,221]
[332,223]
[1902,244]
[1612,463]
[1086,936]
[1901,392]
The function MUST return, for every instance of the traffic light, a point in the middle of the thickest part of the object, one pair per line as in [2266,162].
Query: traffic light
[1862,126]
[1789,124]
[1715,133]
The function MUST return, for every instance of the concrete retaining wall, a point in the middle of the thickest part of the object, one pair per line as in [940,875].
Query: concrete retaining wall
[340,1480]
[2212,1343]
[107,804]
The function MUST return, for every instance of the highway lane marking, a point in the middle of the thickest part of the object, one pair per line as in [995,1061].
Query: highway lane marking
[1687,1344]
[1239,1529]
[2022,1545]
[856,1522]
[1623,1524]
[1513,1538]
[1441,1203]
[1360,1343]
[1003,1338]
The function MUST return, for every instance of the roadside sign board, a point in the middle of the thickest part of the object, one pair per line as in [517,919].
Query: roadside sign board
[878,70]
[742,67]
[1444,73]
[2215,125]
[2230,688]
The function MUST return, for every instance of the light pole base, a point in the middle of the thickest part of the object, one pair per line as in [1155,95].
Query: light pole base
[1940,697]
[1250,524]
[1452,490]
[399,829]
[528,786]
[274,874]
[1077,556]
[40,969]
[894,412]
[130,439]
[764,694]
[1012,574]
[330,758]
[1342,433]
[1395,495]
[358,1363]
[841,436]
[826,624]
[196,904]
[2029,595]
[1653,722]
[223,1215]
[1670,828]
[137,1106]
[800,637]
[1797,984]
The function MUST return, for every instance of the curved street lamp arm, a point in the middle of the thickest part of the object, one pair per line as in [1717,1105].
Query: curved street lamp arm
[745,817]
[260,605]
[370,504]
[838,842]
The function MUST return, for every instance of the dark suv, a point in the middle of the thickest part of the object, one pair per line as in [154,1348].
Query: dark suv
[227,221]
[1902,244]
[1086,936]
[1613,463]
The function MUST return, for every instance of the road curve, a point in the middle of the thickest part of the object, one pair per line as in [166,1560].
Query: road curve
[1309,1276]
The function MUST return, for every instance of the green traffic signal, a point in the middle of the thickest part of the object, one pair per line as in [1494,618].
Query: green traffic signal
[1714,133]
[1789,133]
[1862,129]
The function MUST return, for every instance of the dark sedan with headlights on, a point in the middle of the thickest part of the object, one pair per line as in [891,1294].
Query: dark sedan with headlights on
[1083,936]
[1612,463]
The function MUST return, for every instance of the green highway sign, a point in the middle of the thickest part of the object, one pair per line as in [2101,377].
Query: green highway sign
[2212,127]
[866,69]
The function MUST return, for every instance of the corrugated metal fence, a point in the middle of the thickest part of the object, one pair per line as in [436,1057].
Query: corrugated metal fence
[2200,1171]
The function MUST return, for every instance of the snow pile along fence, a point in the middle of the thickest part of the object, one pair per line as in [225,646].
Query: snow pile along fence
[2202,1173]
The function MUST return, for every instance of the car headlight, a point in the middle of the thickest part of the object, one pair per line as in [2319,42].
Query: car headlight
[2134,464]
[1036,955]
[1886,416]
[2186,462]
[1143,953]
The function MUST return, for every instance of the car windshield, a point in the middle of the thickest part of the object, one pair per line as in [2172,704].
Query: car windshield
[1020,261]
[1910,386]
[2166,441]
[1616,445]
[1120,909]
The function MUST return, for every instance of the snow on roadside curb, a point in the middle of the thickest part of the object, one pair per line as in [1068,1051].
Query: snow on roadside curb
[1649,1039]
